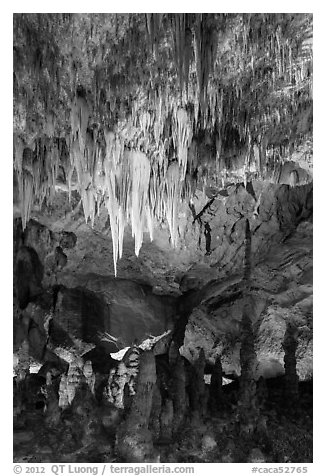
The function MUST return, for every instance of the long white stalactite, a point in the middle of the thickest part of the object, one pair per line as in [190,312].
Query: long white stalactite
[135,190]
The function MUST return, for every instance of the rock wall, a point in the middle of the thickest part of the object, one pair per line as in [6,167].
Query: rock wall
[281,292]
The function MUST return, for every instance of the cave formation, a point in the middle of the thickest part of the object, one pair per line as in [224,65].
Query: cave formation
[162,232]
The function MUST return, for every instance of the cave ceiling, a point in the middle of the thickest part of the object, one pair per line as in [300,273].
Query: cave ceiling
[138,112]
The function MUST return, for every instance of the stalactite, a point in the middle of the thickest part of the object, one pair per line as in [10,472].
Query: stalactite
[36,173]
[204,54]
[153,23]
[182,48]
[116,189]
[183,139]
[18,153]
[140,174]
[25,183]
[79,120]
[171,204]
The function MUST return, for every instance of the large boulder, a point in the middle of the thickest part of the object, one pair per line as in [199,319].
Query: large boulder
[132,310]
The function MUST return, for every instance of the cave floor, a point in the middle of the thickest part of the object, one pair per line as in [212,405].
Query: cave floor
[285,435]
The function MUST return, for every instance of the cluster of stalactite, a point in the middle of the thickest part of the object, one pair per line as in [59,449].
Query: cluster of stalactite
[127,114]
[135,187]
[37,169]
[241,70]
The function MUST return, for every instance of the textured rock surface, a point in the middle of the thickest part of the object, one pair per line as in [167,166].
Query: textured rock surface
[208,281]
[70,313]
[281,291]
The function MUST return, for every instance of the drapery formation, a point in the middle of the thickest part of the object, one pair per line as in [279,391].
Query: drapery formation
[119,102]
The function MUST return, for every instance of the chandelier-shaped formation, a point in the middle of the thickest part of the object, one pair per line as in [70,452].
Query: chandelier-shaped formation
[135,188]
[119,102]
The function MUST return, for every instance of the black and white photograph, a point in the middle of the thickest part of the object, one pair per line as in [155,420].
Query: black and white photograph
[162,240]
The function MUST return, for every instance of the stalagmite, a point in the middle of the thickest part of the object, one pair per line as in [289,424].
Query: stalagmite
[52,409]
[155,423]
[179,395]
[215,388]
[290,344]
[89,375]
[248,411]
[69,383]
[134,440]
[197,395]
[122,379]
[167,420]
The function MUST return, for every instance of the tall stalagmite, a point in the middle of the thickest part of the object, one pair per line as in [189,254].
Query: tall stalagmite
[197,397]
[248,411]
[290,344]
[215,388]
[134,441]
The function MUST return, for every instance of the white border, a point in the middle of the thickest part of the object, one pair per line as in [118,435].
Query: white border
[318,9]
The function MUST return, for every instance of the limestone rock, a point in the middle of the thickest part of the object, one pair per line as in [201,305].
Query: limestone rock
[208,443]
[256,456]
[22,437]
[28,275]
[136,446]
[73,309]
